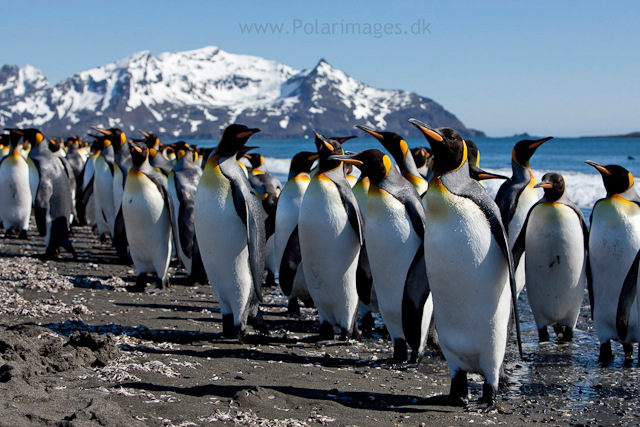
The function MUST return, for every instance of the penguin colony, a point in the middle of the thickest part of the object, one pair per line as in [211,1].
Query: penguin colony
[419,241]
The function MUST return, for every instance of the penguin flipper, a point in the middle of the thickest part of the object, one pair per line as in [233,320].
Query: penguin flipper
[627,299]
[251,213]
[507,200]
[291,259]
[41,204]
[415,295]
[186,227]
[519,244]
[163,187]
[364,280]
[349,202]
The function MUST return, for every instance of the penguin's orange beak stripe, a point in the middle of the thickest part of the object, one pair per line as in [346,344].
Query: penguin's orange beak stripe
[102,131]
[354,162]
[138,149]
[545,185]
[328,146]
[374,133]
[539,142]
[313,157]
[431,134]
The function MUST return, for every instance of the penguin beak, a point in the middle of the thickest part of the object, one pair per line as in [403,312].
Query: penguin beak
[313,157]
[16,131]
[102,131]
[138,149]
[371,132]
[345,139]
[539,142]
[247,133]
[603,170]
[146,135]
[480,174]
[326,143]
[543,185]
[346,159]
[427,130]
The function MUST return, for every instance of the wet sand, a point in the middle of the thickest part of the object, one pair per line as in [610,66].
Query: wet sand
[77,350]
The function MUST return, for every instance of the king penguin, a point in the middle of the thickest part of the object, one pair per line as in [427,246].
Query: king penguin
[183,182]
[614,240]
[331,229]
[148,215]
[229,224]
[51,194]
[15,193]
[287,242]
[397,146]
[103,188]
[468,264]
[394,230]
[422,157]
[85,198]
[516,196]
[554,238]
[121,165]
[157,160]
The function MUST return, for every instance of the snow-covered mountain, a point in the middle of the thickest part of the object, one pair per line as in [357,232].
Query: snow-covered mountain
[194,94]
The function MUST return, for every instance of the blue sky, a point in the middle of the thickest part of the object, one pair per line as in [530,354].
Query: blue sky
[565,68]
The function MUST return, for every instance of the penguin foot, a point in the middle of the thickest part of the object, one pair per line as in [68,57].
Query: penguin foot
[326,331]
[628,350]
[23,235]
[399,351]
[258,324]
[229,329]
[459,386]
[487,402]
[141,284]
[543,334]
[606,356]
[367,324]
[270,281]
[104,238]
[293,308]
[566,335]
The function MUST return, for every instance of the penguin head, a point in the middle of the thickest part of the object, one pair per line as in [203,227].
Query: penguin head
[151,140]
[55,144]
[139,153]
[393,142]
[181,149]
[447,145]
[98,143]
[553,184]
[472,152]
[14,137]
[32,136]
[524,149]
[343,139]
[302,162]
[73,140]
[616,178]
[114,136]
[420,156]
[372,162]
[255,159]
[233,138]
[327,148]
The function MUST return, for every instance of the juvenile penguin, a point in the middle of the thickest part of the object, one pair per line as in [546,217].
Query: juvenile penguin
[229,224]
[148,214]
[15,193]
[422,158]
[468,255]
[330,229]
[394,230]
[51,194]
[183,182]
[516,196]
[614,240]
[554,238]
[287,242]
[397,146]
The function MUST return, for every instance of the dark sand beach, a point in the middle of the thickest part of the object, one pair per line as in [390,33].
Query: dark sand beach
[77,350]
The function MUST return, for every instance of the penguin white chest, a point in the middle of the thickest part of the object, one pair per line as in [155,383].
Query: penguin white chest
[555,264]
[287,212]
[15,194]
[329,247]
[147,222]
[467,273]
[614,239]
[222,239]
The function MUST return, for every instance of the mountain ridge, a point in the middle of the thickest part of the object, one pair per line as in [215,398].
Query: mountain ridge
[196,93]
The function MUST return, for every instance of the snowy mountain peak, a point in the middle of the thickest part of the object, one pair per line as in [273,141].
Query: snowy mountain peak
[197,92]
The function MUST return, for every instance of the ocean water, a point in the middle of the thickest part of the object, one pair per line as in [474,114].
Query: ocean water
[563,155]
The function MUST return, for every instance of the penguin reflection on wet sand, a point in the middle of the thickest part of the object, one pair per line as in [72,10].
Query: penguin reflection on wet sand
[331,229]
[467,254]
[147,212]
[614,240]
[394,231]
[516,196]
[554,238]
[51,194]
[287,241]
[229,223]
